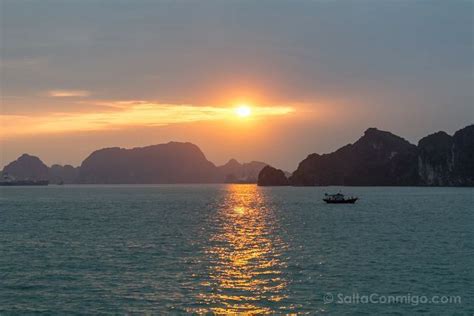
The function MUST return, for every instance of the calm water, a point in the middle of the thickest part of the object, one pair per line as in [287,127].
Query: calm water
[234,248]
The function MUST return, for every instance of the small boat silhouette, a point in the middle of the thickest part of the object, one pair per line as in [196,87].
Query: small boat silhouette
[339,198]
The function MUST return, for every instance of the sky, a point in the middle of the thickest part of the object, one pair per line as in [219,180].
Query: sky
[77,76]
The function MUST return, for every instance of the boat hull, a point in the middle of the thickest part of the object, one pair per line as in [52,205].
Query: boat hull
[24,182]
[346,201]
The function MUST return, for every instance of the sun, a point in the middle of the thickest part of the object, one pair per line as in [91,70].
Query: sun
[243,110]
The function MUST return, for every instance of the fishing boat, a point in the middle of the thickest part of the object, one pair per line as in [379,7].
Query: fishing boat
[339,198]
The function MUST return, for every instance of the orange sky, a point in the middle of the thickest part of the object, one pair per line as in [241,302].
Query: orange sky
[82,75]
[125,114]
[281,135]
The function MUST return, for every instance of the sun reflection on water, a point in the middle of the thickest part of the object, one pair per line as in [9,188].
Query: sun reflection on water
[245,272]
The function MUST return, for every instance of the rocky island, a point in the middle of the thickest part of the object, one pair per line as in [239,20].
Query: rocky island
[270,176]
[380,158]
[173,162]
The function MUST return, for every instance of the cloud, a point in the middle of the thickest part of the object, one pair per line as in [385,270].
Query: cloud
[126,114]
[68,93]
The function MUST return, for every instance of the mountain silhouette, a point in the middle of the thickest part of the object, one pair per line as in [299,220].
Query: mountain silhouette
[235,172]
[27,167]
[63,174]
[377,158]
[270,176]
[173,162]
[447,160]
[380,158]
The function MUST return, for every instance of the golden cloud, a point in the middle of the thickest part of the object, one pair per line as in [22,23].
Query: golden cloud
[68,93]
[126,114]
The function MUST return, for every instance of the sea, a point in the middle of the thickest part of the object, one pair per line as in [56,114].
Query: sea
[219,249]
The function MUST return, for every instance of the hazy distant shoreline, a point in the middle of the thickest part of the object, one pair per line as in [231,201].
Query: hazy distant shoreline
[378,158]
[71,185]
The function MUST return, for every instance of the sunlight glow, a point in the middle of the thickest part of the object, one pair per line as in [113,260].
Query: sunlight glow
[121,114]
[243,110]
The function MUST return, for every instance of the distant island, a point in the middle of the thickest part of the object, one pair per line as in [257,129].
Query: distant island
[173,162]
[378,158]
[381,158]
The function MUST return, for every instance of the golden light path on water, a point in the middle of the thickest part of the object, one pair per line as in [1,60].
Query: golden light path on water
[245,273]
